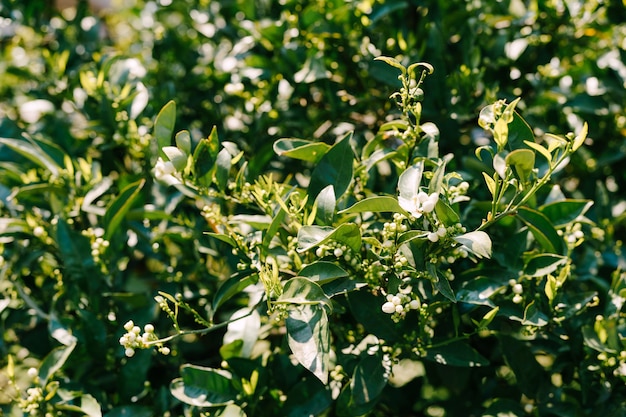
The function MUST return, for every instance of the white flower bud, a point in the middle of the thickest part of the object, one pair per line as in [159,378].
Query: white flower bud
[414,304]
[433,237]
[129,352]
[389,307]
[148,328]
[129,325]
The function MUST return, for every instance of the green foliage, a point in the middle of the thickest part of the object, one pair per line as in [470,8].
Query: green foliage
[305,217]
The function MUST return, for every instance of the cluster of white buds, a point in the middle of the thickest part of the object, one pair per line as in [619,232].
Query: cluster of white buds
[339,251]
[399,304]
[30,404]
[133,339]
[518,290]
[437,234]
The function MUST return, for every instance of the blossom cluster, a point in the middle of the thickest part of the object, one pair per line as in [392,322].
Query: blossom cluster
[419,204]
[133,339]
[399,304]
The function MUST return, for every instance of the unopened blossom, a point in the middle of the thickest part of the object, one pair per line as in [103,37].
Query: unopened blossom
[164,171]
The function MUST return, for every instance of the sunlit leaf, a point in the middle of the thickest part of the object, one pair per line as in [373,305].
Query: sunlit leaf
[308,335]
[541,228]
[335,168]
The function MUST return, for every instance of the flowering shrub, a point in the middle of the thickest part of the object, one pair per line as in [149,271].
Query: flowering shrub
[411,256]
[373,291]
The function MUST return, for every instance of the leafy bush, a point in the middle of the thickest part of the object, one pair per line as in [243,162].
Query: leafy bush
[437,257]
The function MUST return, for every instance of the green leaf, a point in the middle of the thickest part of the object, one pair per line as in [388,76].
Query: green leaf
[204,158]
[325,203]
[543,264]
[183,141]
[456,353]
[204,387]
[543,151]
[368,381]
[308,397]
[446,214]
[176,156]
[272,230]
[164,126]
[580,138]
[476,242]
[366,309]
[562,213]
[322,272]
[54,361]
[119,207]
[32,151]
[334,168]
[478,291]
[520,358]
[312,236]
[491,184]
[308,335]
[519,131]
[231,287]
[440,282]
[130,411]
[301,149]
[541,228]
[224,238]
[223,164]
[393,62]
[534,316]
[523,161]
[376,204]
[300,290]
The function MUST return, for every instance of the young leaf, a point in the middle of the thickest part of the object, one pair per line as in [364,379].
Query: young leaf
[491,184]
[301,149]
[183,141]
[119,207]
[580,139]
[34,153]
[54,361]
[477,242]
[523,160]
[176,156]
[335,168]
[223,164]
[376,204]
[204,158]
[308,335]
[164,126]
[543,151]
[393,62]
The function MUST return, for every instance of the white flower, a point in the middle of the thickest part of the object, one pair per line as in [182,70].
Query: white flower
[164,171]
[33,110]
[419,204]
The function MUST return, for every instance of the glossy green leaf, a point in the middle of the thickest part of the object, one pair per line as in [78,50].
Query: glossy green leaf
[325,202]
[204,158]
[300,290]
[334,168]
[456,353]
[376,204]
[541,228]
[562,213]
[176,156]
[476,242]
[120,206]
[322,272]
[164,126]
[308,335]
[312,236]
[440,282]
[478,291]
[543,264]
[446,214]
[54,361]
[307,397]
[203,387]
[519,131]
[232,287]
[301,149]
[222,171]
